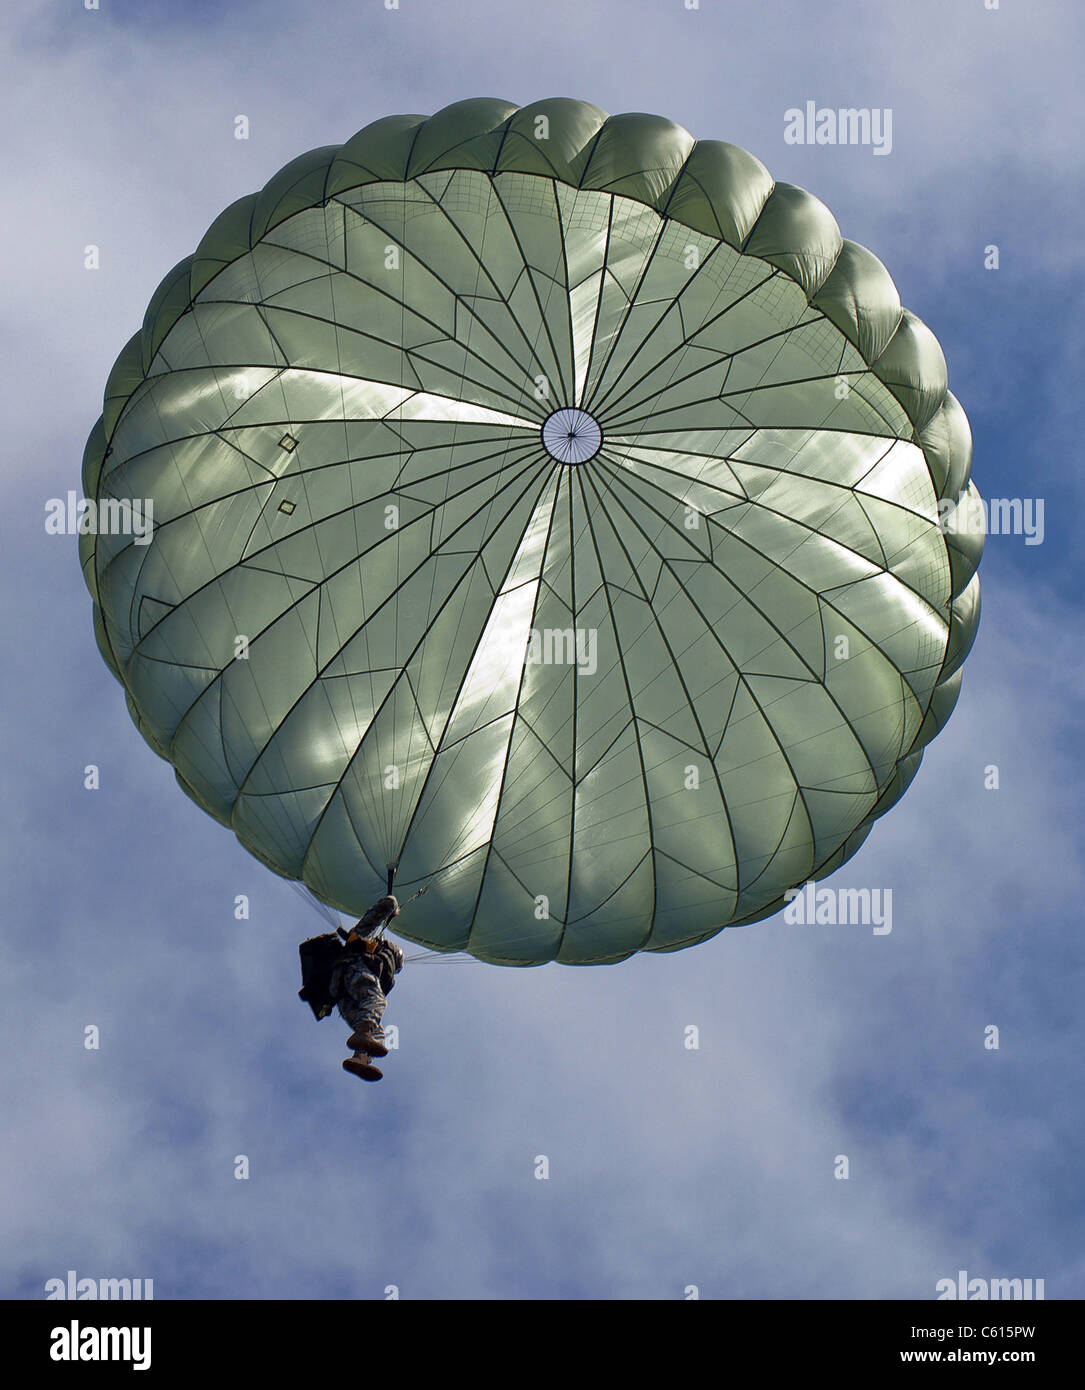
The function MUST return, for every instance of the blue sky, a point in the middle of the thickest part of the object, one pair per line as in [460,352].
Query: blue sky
[668,1167]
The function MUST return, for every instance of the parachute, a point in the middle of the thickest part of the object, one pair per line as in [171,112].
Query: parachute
[548,508]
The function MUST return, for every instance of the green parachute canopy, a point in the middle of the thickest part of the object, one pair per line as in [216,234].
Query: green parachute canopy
[547,509]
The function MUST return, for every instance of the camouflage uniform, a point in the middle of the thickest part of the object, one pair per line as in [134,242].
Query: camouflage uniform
[360,998]
[360,980]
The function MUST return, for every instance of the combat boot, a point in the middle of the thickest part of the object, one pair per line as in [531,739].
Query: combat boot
[359,1066]
[361,1041]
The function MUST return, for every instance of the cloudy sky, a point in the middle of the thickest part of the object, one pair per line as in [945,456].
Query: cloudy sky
[669,1167]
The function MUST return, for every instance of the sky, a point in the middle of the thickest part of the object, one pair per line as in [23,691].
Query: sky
[670,1169]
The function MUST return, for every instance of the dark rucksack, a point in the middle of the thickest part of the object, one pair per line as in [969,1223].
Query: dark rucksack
[318,955]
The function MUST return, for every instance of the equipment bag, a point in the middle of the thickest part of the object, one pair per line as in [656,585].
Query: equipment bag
[318,955]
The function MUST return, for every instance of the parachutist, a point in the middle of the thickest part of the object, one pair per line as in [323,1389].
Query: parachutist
[356,974]
[360,981]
